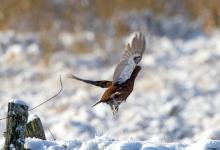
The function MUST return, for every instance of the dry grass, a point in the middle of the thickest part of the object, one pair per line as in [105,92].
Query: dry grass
[209,11]
[79,15]
[40,14]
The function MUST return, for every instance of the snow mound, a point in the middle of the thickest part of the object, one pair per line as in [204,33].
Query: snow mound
[31,117]
[100,143]
[18,101]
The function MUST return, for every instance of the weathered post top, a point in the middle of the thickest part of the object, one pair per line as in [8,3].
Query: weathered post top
[34,128]
[18,101]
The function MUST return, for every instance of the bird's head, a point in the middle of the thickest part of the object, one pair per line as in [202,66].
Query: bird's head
[137,59]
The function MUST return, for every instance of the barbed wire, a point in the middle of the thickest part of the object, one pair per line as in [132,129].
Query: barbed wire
[51,98]
[61,88]
[5,118]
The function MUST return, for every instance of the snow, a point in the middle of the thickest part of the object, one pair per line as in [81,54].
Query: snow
[18,101]
[100,143]
[205,145]
[31,117]
[37,144]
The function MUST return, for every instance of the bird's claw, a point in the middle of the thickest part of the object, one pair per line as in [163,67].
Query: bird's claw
[114,110]
[114,107]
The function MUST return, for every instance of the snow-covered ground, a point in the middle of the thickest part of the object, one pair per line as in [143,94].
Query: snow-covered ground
[176,97]
[101,143]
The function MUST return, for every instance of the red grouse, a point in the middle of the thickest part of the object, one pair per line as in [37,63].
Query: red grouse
[124,76]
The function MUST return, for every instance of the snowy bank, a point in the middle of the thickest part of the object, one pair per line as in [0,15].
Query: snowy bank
[100,143]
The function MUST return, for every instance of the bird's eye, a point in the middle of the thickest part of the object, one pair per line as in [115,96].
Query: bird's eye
[137,59]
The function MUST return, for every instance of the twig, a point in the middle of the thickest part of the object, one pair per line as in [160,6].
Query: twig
[51,134]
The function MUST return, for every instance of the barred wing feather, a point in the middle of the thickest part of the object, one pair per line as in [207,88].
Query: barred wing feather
[131,57]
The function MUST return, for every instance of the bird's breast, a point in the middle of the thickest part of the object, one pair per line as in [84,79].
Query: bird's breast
[108,93]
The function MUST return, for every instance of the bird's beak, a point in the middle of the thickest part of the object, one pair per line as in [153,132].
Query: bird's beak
[96,103]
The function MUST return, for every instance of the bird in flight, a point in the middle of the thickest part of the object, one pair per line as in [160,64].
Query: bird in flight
[124,75]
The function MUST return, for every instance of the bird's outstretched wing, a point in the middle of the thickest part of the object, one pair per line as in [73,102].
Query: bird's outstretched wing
[131,57]
[101,83]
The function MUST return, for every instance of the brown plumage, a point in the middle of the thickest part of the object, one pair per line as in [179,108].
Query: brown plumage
[116,94]
[124,75]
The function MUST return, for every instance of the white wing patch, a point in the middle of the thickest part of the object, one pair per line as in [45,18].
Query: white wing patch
[131,57]
[127,70]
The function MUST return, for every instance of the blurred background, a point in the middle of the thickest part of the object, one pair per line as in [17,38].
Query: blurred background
[176,96]
[104,21]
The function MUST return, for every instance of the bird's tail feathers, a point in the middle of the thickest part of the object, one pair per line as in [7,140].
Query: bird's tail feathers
[69,75]
[101,83]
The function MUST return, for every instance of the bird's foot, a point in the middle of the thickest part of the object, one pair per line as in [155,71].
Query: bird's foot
[114,110]
[114,106]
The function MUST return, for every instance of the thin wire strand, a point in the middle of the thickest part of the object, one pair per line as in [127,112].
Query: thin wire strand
[5,118]
[60,90]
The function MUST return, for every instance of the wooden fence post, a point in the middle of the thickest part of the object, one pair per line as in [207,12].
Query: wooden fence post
[15,125]
[34,128]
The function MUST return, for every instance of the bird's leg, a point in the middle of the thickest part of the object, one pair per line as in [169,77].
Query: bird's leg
[115,109]
[114,106]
